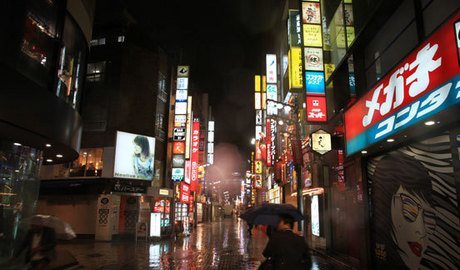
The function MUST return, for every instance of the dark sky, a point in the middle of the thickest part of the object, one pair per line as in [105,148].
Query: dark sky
[225,43]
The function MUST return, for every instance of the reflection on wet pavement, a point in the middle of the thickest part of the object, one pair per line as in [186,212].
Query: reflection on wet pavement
[217,245]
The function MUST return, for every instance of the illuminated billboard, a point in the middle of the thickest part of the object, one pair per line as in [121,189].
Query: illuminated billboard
[134,156]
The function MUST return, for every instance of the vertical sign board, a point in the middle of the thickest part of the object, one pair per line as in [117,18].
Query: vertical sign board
[316,103]
[268,142]
[182,106]
[210,158]
[194,154]
[271,68]
[189,128]
[184,193]
[423,84]
[103,218]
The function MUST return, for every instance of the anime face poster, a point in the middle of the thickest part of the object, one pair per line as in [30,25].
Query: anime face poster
[415,222]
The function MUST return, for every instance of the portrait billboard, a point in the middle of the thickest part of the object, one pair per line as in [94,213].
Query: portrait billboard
[134,156]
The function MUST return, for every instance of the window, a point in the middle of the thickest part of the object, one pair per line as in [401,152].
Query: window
[95,71]
[96,42]
[89,163]
[121,39]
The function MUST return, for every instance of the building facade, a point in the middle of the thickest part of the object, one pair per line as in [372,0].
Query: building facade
[381,81]
[45,46]
[118,179]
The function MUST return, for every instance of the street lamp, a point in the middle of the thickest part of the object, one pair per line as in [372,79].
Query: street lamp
[253,141]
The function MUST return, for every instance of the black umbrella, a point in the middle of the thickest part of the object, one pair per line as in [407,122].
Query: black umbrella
[268,214]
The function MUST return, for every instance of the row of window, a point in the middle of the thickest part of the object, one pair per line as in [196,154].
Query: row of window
[102,41]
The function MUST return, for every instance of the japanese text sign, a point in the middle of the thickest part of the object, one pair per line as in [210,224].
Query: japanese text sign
[194,154]
[271,68]
[316,109]
[423,84]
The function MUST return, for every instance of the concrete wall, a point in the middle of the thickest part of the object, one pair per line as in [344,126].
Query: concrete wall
[77,210]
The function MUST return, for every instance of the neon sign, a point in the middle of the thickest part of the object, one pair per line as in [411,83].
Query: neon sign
[423,84]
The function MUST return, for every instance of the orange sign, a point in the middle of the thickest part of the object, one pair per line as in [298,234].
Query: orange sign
[178,147]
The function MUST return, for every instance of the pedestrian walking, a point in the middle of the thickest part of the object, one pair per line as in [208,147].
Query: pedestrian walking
[285,249]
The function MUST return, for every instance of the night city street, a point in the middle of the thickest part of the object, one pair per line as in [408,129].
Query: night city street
[219,245]
[229,134]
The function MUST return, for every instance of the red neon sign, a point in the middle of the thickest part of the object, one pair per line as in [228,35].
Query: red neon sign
[195,154]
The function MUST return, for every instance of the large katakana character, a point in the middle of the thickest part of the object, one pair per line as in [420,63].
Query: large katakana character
[423,64]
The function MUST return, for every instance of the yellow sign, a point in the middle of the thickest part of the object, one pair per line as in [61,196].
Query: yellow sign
[350,34]
[312,35]
[295,68]
[257,83]
[264,84]
[328,69]
[258,166]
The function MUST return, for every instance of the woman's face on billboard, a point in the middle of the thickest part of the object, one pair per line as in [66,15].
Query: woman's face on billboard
[412,218]
[137,149]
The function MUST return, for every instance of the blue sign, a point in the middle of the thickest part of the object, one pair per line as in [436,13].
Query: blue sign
[314,82]
[445,96]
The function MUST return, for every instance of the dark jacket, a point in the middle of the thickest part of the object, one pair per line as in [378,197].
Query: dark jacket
[47,244]
[288,251]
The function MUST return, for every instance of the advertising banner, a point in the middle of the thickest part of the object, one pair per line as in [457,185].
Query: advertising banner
[294,29]
[314,83]
[312,35]
[134,156]
[311,13]
[414,205]
[272,94]
[184,193]
[316,109]
[425,83]
[268,142]
[179,148]
[314,59]
[271,66]
[295,68]
[194,154]
[188,171]
[177,174]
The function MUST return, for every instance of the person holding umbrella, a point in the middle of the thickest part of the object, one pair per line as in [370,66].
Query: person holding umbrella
[39,245]
[285,249]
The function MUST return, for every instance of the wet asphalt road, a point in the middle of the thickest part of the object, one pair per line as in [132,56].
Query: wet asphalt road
[217,245]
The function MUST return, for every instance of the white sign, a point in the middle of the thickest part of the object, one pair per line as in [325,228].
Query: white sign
[272,93]
[259,117]
[155,224]
[179,134]
[180,120]
[211,136]
[181,95]
[182,83]
[257,101]
[181,107]
[211,125]
[258,132]
[313,59]
[183,71]
[134,156]
[210,147]
[271,68]
[177,174]
[315,215]
[211,159]
[321,142]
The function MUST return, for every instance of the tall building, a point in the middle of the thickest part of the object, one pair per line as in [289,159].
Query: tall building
[380,80]
[121,165]
[44,50]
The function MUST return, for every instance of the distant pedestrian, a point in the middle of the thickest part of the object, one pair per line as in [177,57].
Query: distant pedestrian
[285,249]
